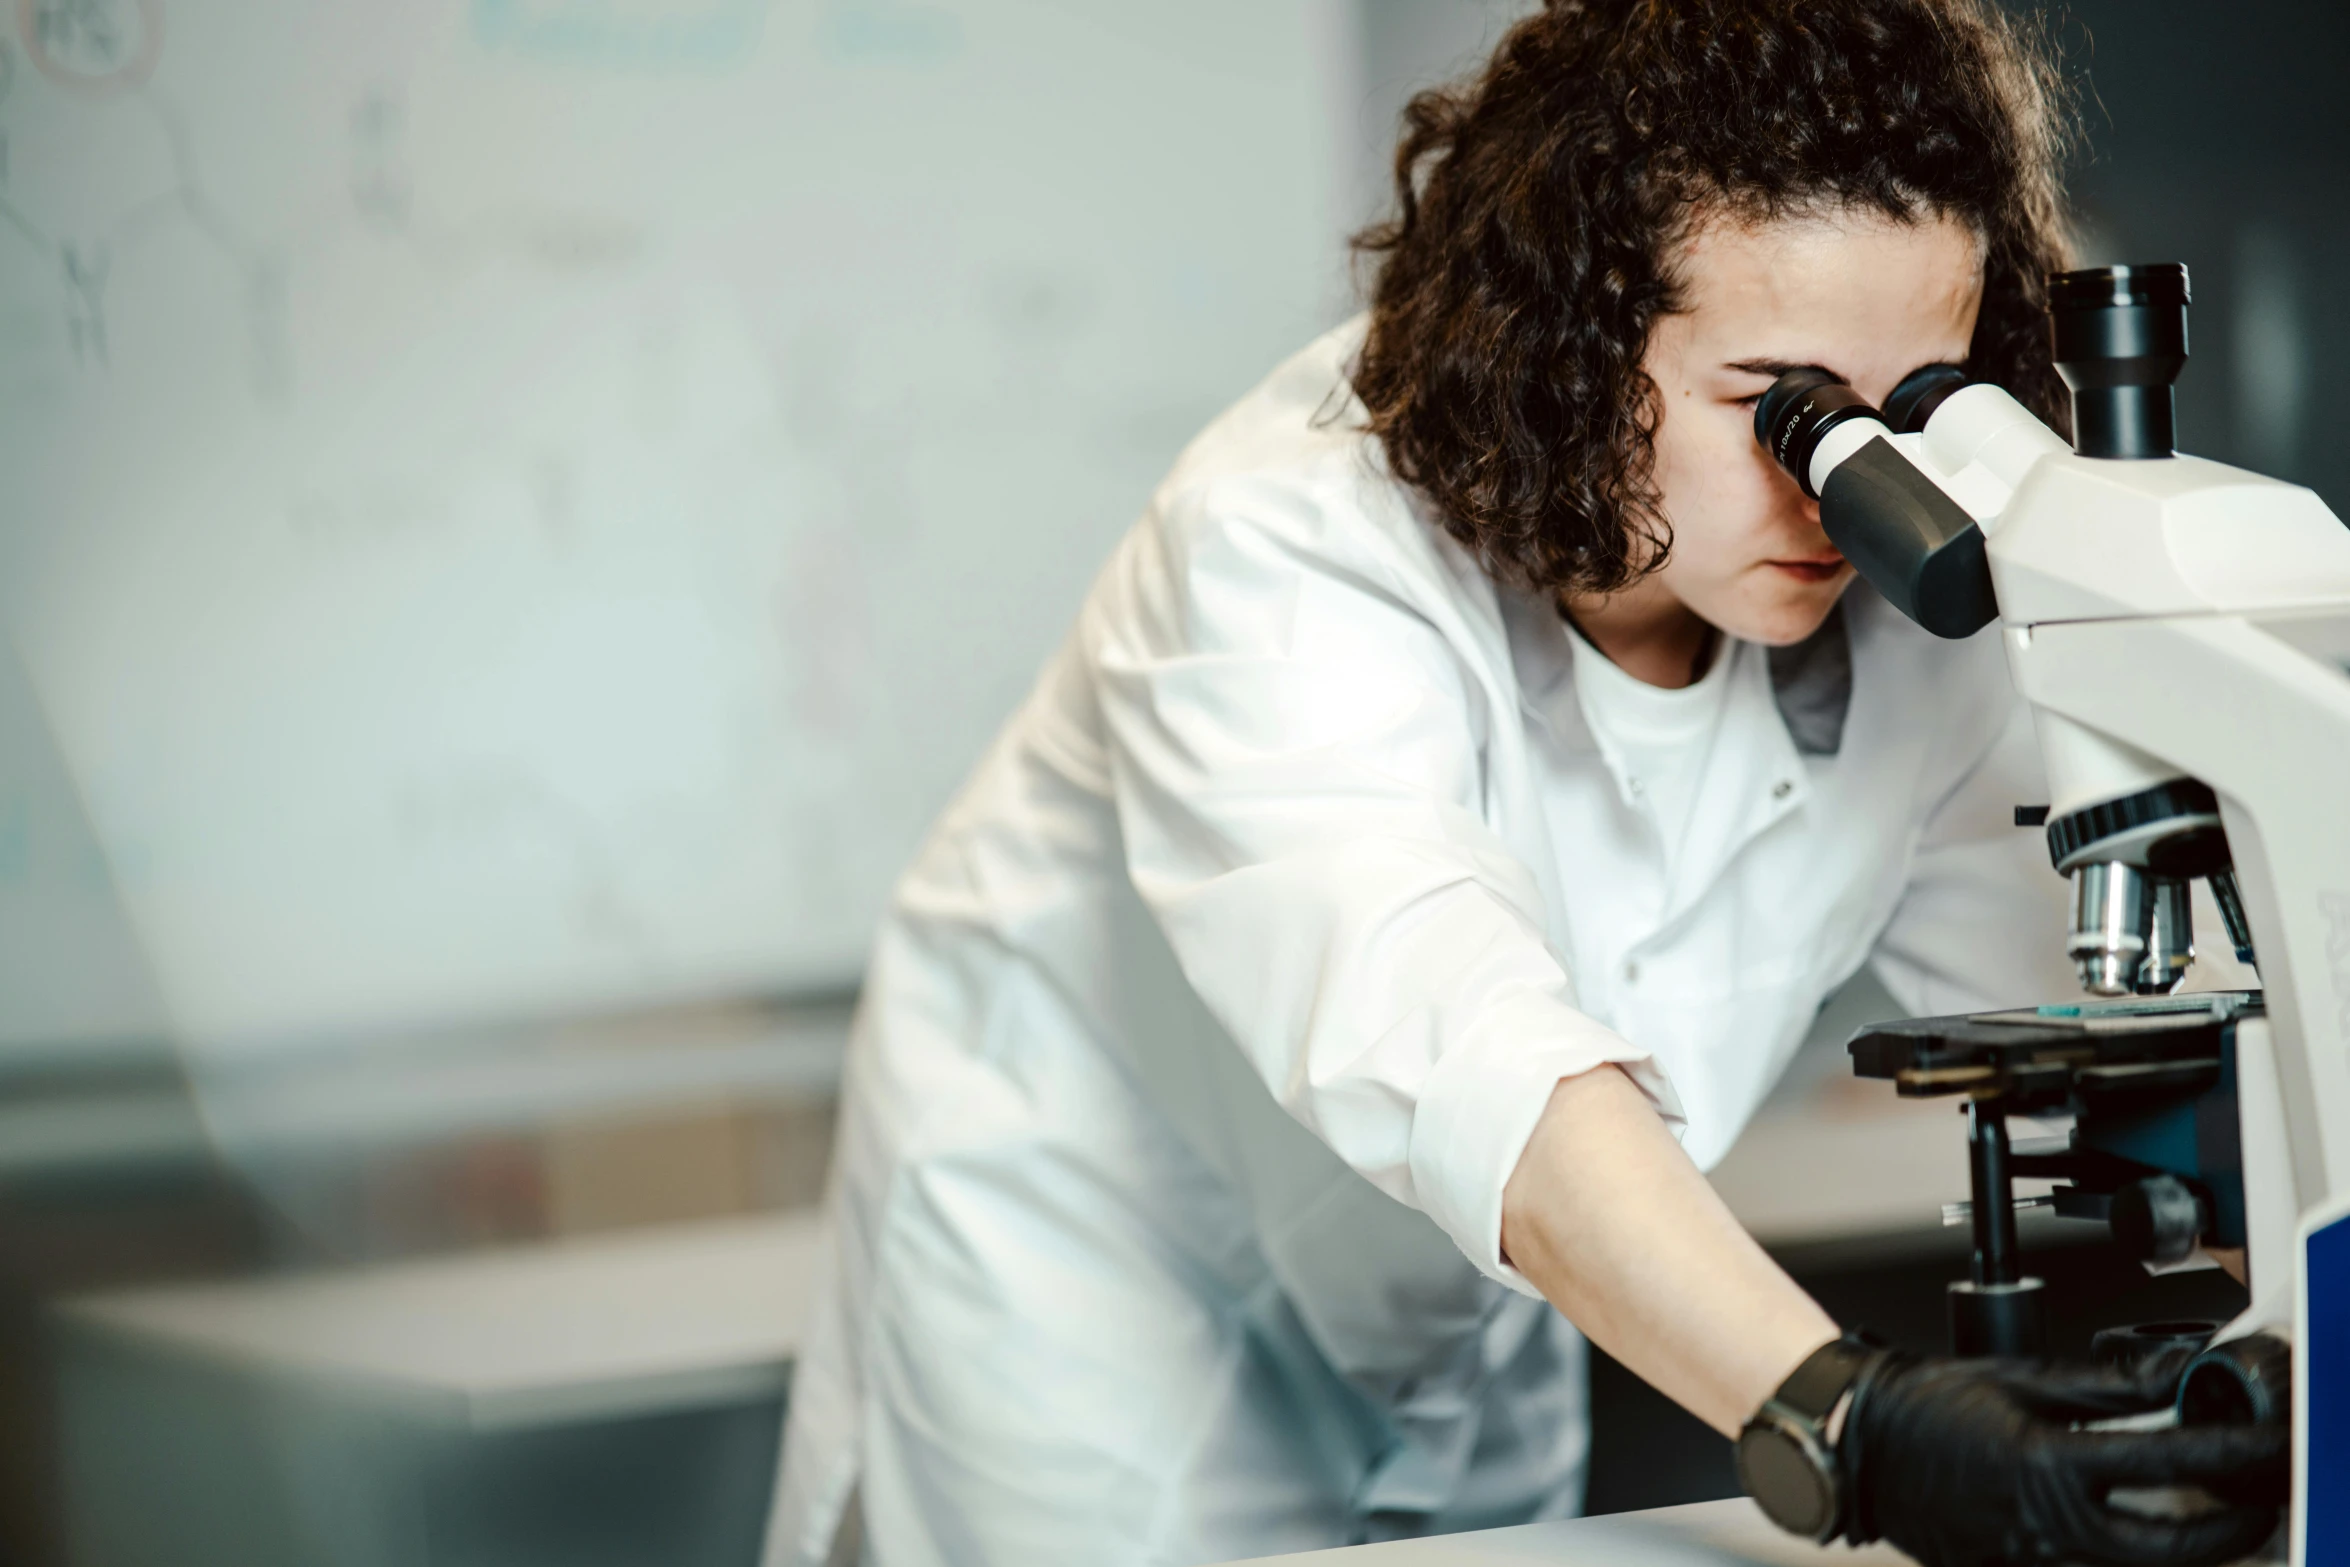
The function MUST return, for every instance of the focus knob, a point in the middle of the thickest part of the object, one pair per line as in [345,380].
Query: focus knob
[2158,1219]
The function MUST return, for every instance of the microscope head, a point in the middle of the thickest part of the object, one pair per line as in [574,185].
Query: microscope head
[2120,340]
[2120,336]
[1913,492]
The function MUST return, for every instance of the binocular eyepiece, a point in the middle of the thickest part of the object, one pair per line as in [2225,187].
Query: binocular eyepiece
[2119,335]
[1911,541]
[1802,406]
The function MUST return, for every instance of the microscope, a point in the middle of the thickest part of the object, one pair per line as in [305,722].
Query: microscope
[2181,631]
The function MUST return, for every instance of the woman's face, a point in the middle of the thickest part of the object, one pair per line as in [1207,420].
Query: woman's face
[1857,294]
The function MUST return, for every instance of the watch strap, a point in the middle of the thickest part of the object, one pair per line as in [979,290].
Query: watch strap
[1860,1523]
[1813,1389]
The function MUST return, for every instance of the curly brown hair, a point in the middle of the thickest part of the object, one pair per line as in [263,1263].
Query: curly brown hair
[1539,203]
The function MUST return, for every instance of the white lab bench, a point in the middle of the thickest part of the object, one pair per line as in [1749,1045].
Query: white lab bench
[1705,1534]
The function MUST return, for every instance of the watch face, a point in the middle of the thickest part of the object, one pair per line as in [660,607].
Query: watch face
[1786,1480]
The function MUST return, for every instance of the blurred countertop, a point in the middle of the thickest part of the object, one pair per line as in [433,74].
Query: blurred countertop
[620,1324]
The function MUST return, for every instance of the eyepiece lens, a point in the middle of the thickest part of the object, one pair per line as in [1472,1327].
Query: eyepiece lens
[1920,393]
[2120,335]
[1800,407]
[2111,288]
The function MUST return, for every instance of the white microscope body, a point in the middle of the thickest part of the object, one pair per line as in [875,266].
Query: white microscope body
[2181,630]
[2184,619]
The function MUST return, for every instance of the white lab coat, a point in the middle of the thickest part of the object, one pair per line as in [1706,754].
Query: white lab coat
[1202,1036]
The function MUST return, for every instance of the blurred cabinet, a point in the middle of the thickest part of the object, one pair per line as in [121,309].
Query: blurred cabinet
[592,1404]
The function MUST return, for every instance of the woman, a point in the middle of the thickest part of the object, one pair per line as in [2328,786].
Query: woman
[1456,797]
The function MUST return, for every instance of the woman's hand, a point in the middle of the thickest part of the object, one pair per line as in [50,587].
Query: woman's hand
[1959,1463]
[1964,1463]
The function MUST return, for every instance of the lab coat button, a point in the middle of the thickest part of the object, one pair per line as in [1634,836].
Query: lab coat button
[1631,973]
[1783,788]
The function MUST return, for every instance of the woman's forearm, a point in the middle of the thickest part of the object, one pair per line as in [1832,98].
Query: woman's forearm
[1613,1223]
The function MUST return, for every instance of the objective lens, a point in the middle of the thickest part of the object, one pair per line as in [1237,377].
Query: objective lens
[2230,897]
[2170,943]
[1800,408]
[2113,910]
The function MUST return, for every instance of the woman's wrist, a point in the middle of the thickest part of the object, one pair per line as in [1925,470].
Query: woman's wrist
[1606,1216]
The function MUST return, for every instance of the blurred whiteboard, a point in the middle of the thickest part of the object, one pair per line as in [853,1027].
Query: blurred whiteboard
[515,506]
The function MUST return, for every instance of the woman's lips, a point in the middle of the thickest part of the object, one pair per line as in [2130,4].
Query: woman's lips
[1819,569]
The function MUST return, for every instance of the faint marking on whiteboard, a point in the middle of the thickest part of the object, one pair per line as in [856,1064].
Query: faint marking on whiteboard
[381,509]
[382,192]
[855,438]
[656,34]
[900,30]
[824,613]
[507,803]
[108,49]
[554,491]
[94,46]
[385,200]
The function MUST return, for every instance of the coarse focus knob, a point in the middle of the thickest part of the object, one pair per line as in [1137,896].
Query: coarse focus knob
[2158,1219]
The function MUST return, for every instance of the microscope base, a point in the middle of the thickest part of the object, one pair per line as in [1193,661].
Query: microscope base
[1998,1319]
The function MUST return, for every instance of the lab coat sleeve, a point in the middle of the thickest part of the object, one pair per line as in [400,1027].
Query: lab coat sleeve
[1981,921]
[1296,757]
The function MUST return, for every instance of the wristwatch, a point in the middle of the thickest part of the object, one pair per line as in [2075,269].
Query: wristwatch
[1785,1460]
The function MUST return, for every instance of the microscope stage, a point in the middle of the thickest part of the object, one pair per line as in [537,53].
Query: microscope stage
[2041,1057]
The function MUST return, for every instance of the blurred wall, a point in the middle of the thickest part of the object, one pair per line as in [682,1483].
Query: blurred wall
[2214,136]
[1401,47]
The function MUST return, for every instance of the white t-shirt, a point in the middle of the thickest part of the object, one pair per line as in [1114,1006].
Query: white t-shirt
[1659,739]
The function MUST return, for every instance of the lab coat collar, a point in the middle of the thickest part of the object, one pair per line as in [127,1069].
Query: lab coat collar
[1812,684]
[1544,664]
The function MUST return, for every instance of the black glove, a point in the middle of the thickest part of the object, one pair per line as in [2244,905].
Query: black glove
[1965,1463]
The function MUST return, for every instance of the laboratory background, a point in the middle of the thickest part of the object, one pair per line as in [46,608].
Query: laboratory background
[515,515]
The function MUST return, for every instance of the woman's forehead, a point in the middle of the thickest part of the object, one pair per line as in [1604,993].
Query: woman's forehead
[1804,288]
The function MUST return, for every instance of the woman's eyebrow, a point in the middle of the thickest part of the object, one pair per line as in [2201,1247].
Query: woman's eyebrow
[1775,368]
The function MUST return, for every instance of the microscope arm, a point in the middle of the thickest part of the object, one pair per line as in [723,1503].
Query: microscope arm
[2256,709]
